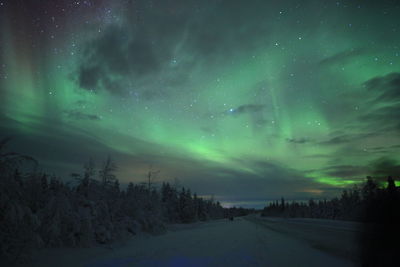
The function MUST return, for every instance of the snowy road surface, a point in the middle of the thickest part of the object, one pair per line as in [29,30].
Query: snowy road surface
[249,241]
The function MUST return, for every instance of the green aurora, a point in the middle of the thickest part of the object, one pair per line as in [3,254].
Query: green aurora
[244,100]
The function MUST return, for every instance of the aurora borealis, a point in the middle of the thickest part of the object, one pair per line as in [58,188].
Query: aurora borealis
[243,100]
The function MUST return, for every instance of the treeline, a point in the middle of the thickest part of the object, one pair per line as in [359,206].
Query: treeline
[38,210]
[377,207]
[366,203]
[238,212]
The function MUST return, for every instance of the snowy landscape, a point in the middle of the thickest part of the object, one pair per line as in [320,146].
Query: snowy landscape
[246,241]
[93,222]
[186,133]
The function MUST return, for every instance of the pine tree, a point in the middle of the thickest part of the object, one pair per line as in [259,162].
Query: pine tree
[391,187]
[106,174]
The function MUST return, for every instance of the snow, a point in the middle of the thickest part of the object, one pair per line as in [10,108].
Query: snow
[242,242]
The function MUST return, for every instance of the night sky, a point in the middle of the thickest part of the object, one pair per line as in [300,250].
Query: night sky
[243,100]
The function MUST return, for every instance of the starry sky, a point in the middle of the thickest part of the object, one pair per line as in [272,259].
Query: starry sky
[243,100]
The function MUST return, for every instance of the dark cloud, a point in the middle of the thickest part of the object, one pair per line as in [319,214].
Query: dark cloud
[65,149]
[114,58]
[387,87]
[385,118]
[343,57]
[268,180]
[382,112]
[90,77]
[256,114]
[386,167]
[298,140]
[154,40]
[348,138]
[380,150]
[318,156]
[57,148]
[379,116]
[249,108]
[337,140]
[78,115]
[209,130]
[81,102]
[376,116]
[381,167]
[345,171]
[385,107]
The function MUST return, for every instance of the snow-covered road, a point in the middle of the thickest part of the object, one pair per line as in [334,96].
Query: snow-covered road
[242,242]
